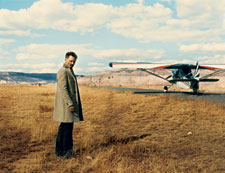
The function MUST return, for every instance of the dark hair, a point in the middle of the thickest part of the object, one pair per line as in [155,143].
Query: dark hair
[70,54]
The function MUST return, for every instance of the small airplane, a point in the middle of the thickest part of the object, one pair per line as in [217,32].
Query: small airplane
[182,74]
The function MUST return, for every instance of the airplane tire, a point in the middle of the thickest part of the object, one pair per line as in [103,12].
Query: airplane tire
[196,91]
[165,89]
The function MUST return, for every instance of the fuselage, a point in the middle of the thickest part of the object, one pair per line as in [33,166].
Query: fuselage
[184,72]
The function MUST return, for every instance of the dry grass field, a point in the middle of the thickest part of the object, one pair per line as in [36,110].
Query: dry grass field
[122,132]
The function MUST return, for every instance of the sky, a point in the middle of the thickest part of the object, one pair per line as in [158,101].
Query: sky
[36,34]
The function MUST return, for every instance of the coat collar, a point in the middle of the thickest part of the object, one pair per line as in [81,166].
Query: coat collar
[70,69]
[64,65]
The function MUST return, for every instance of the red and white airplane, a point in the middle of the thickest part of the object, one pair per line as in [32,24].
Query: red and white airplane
[182,74]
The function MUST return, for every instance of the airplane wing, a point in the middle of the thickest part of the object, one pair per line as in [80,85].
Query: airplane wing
[143,65]
[213,66]
[148,65]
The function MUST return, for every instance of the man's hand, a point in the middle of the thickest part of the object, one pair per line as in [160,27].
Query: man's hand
[72,109]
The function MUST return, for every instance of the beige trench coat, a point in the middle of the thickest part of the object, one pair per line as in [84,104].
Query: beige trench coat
[67,94]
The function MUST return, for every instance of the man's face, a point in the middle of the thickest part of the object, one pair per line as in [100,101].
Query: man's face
[70,61]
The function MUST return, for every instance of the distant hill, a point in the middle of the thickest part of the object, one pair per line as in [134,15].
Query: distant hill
[30,78]
[121,77]
[34,78]
[134,78]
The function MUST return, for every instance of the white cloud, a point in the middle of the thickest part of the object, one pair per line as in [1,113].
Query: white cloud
[174,61]
[168,1]
[54,14]
[140,1]
[202,13]
[36,68]
[210,47]
[138,21]
[89,16]
[19,33]
[27,56]
[30,66]
[217,59]
[132,53]
[211,53]
[48,51]
[3,52]
[44,70]
[90,70]
[191,8]
[5,41]
[197,20]
[95,64]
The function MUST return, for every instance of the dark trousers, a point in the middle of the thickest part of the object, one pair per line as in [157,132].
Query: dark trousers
[64,140]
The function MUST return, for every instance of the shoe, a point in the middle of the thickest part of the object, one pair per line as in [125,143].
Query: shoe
[69,154]
[58,154]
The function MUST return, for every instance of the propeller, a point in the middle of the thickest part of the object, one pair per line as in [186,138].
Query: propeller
[197,71]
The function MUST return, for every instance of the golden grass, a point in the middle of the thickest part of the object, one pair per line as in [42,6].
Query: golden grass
[122,132]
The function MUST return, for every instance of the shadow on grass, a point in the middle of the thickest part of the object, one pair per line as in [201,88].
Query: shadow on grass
[13,145]
[113,140]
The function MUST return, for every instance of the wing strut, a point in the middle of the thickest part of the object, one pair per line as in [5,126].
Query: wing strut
[141,69]
[212,74]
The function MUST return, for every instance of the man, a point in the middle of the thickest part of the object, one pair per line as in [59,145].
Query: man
[68,107]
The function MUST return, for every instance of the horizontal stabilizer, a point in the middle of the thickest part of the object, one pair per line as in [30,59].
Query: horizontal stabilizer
[192,80]
[208,80]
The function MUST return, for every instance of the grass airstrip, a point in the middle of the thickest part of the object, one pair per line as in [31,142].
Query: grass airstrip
[122,132]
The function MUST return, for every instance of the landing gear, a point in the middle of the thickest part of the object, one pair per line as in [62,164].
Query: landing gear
[195,87]
[165,89]
[196,91]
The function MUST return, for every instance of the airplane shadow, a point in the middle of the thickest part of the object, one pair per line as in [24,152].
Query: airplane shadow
[153,91]
[210,96]
[177,92]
